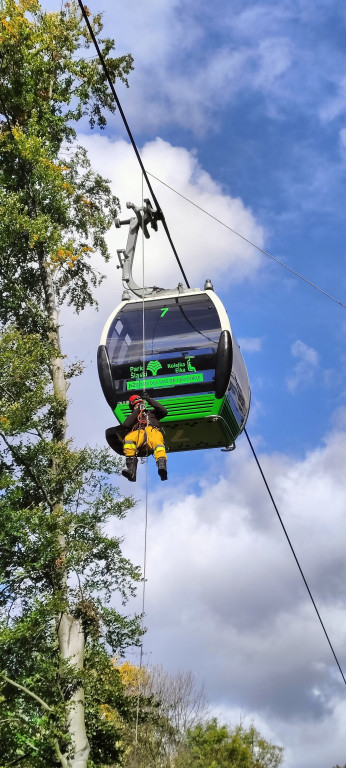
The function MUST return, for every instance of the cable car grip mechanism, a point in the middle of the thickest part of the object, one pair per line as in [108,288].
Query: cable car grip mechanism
[144,216]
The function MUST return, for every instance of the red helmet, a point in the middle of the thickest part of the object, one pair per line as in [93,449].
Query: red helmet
[135,400]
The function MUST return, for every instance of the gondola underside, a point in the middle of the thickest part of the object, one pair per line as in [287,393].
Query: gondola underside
[210,423]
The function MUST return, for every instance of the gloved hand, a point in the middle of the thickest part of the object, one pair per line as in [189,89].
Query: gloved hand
[146,397]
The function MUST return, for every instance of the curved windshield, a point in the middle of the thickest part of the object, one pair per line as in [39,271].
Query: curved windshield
[179,348]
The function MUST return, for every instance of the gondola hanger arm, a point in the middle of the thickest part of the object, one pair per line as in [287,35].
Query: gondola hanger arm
[144,216]
[141,220]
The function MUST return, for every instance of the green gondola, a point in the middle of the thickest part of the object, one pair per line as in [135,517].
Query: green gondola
[187,358]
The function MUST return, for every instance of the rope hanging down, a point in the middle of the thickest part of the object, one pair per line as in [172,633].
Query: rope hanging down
[246,240]
[294,554]
[146,495]
[110,83]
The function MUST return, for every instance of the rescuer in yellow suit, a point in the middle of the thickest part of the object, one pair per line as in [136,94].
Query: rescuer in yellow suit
[144,426]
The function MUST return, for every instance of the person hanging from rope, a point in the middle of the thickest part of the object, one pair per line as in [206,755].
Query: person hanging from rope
[144,430]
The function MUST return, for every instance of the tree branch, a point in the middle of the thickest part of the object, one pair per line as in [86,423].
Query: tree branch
[47,708]
[18,759]
[59,755]
[17,456]
[26,690]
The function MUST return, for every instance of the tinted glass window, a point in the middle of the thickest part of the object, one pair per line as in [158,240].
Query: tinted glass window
[181,338]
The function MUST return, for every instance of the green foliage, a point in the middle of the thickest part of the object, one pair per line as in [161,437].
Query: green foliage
[54,210]
[57,559]
[24,398]
[32,599]
[34,472]
[210,745]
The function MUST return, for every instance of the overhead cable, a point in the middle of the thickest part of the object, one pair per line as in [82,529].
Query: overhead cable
[115,96]
[246,239]
[294,554]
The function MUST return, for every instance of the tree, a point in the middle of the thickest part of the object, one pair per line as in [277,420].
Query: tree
[63,702]
[170,703]
[209,745]
[182,701]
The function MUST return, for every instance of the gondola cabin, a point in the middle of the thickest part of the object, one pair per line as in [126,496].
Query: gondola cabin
[179,347]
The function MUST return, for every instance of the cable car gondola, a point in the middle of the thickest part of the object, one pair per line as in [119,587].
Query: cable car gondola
[187,358]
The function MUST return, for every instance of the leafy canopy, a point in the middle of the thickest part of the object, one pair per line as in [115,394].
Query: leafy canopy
[57,502]
[54,210]
[210,745]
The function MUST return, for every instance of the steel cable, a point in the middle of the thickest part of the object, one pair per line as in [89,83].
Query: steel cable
[116,99]
[246,240]
[294,554]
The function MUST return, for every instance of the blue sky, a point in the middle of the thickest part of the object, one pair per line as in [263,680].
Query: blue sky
[242,107]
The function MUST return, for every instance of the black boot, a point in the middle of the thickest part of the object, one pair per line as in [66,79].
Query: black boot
[131,468]
[162,468]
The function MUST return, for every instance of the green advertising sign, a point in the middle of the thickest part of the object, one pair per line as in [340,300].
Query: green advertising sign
[165,381]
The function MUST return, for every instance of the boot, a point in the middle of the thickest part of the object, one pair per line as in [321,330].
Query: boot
[162,468]
[131,468]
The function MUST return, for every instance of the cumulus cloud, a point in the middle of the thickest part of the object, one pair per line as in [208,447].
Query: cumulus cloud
[250,344]
[305,368]
[205,248]
[224,597]
[192,62]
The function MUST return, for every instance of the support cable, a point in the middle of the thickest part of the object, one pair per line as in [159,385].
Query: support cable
[159,209]
[246,240]
[294,555]
[122,113]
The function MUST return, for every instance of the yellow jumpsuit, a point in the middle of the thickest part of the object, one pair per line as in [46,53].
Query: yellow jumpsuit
[150,436]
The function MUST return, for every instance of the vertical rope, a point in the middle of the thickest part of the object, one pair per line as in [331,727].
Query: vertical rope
[146,493]
[143,602]
[143,283]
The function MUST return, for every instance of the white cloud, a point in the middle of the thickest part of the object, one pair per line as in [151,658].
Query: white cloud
[224,597]
[336,105]
[205,248]
[250,344]
[305,368]
[275,55]
[192,61]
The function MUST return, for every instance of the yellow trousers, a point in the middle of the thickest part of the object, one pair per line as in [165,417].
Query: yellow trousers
[150,436]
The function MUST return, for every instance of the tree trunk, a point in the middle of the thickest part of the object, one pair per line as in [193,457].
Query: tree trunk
[71,646]
[69,629]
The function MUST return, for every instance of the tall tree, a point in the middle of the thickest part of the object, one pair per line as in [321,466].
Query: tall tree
[58,568]
[170,703]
